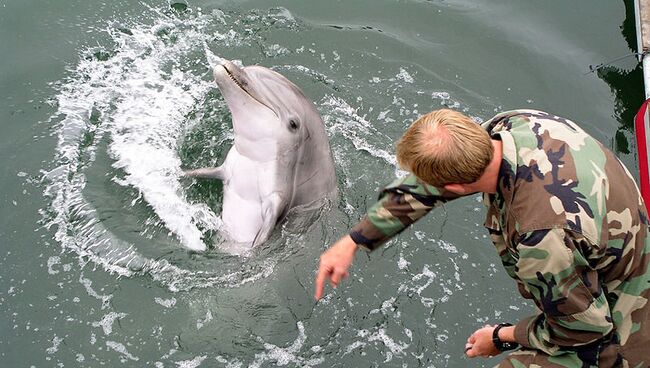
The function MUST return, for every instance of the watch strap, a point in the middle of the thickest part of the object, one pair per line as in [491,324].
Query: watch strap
[502,345]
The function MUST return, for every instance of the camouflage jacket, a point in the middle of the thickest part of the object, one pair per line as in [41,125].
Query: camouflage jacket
[570,227]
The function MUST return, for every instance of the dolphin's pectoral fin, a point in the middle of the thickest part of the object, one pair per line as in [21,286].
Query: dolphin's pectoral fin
[207,173]
[272,207]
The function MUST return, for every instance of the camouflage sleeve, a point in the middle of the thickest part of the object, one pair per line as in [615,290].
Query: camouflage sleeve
[554,271]
[400,204]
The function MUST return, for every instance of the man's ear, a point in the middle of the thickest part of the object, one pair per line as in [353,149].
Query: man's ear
[456,188]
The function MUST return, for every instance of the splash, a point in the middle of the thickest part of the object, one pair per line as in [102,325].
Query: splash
[138,98]
[122,112]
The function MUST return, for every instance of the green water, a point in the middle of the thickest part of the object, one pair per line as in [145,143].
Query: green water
[95,272]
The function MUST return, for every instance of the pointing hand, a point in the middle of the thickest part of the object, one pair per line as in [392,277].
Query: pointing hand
[334,264]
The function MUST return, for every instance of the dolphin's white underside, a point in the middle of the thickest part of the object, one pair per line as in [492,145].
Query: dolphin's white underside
[246,188]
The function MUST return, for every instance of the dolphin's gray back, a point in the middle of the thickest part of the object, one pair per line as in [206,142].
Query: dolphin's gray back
[315,177]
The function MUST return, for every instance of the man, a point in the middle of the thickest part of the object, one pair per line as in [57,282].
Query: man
[564,214]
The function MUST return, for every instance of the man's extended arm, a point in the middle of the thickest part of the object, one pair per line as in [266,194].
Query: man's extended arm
[400,204]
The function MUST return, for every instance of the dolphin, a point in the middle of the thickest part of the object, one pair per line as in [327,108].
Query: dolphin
[280,158]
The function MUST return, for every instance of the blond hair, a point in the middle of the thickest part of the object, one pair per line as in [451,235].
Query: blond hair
[445,147]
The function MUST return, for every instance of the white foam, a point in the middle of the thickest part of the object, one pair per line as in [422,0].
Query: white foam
[404,75]
[167,303]
[446,100]
[427,274]
[56,341]
[120,348]
[356,129]
[229,363]
[402,263]
[52,261]
[283,356]
[87,283]
[106,322]
[193,363]
[383,116]
[380,335]
[447,246]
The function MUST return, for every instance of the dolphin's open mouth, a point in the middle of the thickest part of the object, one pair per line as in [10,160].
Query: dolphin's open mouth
[242,86]
[232,77]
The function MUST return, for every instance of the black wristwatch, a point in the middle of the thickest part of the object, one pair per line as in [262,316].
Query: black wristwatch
[502,345]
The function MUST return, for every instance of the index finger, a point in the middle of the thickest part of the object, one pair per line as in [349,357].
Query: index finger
[320,282]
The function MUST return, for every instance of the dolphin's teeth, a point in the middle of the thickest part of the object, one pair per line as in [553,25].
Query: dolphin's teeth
[232,77]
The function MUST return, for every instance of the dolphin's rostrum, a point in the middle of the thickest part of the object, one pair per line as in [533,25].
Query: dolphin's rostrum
[280,159]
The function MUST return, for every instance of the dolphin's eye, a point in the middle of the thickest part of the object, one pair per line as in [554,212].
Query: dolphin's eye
[293,125]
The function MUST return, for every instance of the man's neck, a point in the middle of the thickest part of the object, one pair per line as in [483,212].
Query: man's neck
[489,180]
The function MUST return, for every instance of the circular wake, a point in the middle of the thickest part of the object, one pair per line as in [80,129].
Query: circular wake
[124,114]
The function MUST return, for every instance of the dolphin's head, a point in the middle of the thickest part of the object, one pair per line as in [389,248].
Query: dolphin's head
[271,117]
[274,121]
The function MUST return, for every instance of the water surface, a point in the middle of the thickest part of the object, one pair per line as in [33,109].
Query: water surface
[102,103]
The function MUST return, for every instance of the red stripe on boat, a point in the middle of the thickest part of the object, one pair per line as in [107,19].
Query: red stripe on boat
[641,124]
